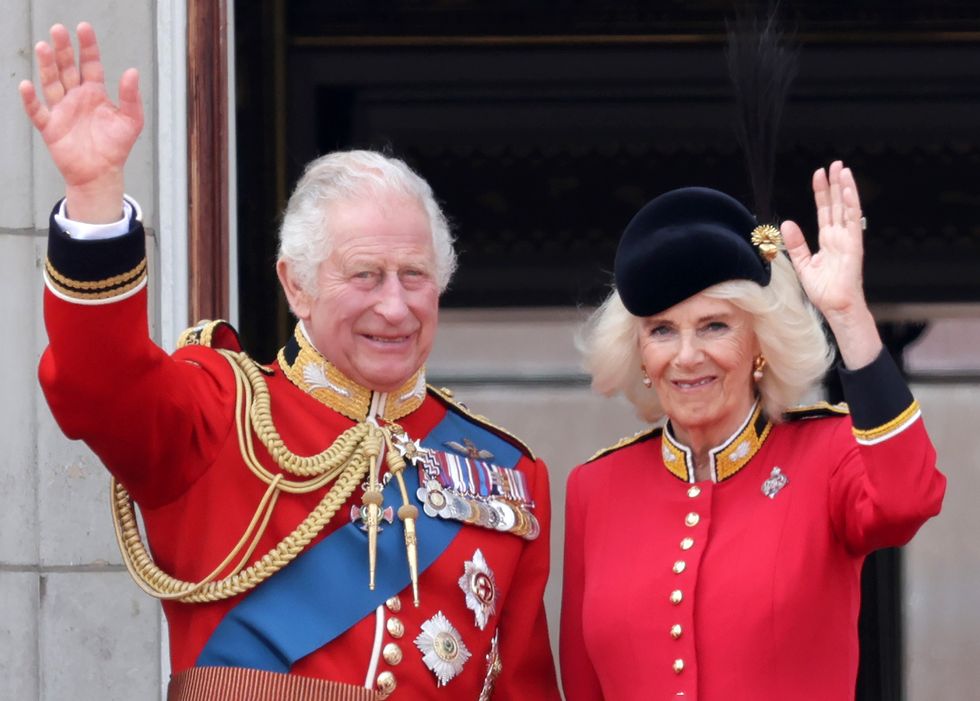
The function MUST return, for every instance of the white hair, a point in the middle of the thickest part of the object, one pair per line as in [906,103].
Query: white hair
[786,325]
[305,237]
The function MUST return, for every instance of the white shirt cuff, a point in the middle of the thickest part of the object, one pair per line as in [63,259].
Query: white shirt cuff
[81,230]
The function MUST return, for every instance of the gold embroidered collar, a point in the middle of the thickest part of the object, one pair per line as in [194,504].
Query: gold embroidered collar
[726,459]
[312,373]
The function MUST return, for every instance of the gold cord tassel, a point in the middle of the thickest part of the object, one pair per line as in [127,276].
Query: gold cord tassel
[408,513]
[372,500]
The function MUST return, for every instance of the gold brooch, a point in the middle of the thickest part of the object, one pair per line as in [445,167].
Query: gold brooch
[768,240]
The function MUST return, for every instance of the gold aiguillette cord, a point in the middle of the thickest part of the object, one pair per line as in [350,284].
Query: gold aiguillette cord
[407,512]
[372,500]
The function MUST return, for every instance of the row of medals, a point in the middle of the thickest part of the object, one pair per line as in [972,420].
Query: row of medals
[489,512]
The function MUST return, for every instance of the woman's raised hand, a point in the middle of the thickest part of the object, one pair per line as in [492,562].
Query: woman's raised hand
[832,277]
[88,136]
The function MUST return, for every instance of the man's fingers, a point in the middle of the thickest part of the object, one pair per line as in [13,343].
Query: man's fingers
[64,56]
[47,71]
[37,112]
[130,103]
[88,54]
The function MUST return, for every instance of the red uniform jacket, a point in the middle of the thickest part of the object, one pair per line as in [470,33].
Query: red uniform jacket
[164,425]
[746,587]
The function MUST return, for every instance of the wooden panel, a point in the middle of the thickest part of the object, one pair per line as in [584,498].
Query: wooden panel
[207,129]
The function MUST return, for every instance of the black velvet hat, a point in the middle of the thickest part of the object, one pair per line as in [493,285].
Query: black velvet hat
[685,241]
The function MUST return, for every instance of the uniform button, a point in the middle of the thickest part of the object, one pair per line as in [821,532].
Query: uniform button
[692,519]
[386,684]
[676,631]
[687,543]
[395,627]
[679,566]
[678,666]
[694,491]
[394,604]
[676,597]
[392,653]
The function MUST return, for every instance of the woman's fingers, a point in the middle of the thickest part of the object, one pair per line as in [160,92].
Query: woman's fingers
[836,197]
[796,246]
[821,196]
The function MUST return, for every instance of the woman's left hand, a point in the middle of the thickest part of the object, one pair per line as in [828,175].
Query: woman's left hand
[832,276]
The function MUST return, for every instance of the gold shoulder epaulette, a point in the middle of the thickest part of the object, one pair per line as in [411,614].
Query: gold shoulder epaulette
[629,440]
[446,396]
[213,334]
[820,410]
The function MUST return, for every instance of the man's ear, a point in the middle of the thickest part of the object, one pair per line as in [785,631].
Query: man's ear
[299,300]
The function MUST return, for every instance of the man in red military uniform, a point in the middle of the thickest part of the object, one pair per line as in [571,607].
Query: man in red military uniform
[324,527]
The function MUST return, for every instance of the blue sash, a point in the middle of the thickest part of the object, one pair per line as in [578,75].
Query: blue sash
[324,592]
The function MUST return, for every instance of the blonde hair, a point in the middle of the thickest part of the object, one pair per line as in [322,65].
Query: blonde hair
[786,325]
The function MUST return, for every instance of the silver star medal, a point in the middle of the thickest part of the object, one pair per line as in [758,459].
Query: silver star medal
[432,497]
[443,651]
[480,588]
[777,480]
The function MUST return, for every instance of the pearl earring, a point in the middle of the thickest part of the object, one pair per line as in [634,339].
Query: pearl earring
[759,367]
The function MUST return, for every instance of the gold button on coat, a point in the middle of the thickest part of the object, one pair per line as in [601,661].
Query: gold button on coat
[392,653]
[386,684]
[396,628]
[694,492]
[676,597]
[691,519]
[679,566]
[676,631]
[678,666]
[394,604]
[687,543]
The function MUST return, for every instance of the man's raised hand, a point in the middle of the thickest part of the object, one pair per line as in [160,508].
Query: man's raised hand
[88,136]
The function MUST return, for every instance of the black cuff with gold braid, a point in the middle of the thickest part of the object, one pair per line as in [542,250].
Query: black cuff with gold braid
[880,402]
[94,271]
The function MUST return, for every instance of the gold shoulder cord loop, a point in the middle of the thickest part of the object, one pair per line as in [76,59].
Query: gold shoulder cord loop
[347,461]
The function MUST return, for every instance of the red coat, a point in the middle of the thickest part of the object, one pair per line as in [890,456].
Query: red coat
[164,426]
[718,592]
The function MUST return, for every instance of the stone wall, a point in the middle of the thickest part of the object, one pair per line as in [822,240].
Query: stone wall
[72,624]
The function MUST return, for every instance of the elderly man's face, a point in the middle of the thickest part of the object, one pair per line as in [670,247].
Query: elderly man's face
[377,301]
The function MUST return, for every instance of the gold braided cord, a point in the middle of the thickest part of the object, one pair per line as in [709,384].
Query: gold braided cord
[139,271]
[347,461]
[261,417]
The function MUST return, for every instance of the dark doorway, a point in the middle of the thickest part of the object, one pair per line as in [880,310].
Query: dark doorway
[543,126]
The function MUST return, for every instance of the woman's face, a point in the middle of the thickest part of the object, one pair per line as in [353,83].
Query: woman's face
[699,355]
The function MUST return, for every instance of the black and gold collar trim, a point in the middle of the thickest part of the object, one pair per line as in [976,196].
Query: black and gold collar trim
[313,374]
[725,459]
